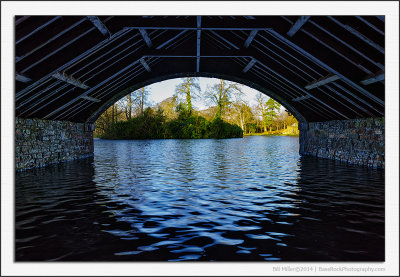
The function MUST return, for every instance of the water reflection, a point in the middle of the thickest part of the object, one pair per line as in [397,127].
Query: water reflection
[213,200]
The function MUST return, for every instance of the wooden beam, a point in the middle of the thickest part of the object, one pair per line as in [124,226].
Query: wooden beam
[38,29]
[52,38]
[250,38]
[64,77]
[145,65]
[172,27]
[209,23]
[285,80]
[301,98]
[171,40]
[322,64]
[46,78]
[56,51]
[346,44]
[349,100]
[371,25]
[22,78]
[225,40]
[322,81]
[22,19]
[359,35]
[91,98]
[361,100]
[297,25]
[249,65]
[90,90]
[99,25]
[374,78]
[146,37]
[198,43]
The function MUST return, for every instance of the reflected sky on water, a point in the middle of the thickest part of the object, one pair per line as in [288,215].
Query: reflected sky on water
[249,199]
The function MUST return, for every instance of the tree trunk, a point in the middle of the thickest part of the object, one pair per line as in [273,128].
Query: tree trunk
[130,105]
[141,100]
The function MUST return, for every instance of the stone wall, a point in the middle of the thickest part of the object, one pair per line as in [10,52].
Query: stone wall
[355,141]
[42,142]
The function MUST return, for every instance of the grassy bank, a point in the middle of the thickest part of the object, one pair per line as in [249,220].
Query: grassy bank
[271,134]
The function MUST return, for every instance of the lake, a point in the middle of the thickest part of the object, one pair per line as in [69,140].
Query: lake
[249,199]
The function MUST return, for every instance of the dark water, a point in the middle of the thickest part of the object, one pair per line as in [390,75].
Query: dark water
[245,199]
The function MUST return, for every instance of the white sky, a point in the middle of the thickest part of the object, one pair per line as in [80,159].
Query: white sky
[162,90]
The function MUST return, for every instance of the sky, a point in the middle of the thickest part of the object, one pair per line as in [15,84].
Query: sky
[162,90]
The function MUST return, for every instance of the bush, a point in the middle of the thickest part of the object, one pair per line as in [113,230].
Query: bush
[221,129]
[152,125]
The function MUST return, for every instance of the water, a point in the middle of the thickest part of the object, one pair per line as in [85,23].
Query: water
[249,199]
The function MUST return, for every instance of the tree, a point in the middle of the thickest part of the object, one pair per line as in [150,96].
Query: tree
[113,114]
[128,107]
[168,106]
[260,99]
[242,114]
[221,95]
[190,88]
[271,110]
[141,98]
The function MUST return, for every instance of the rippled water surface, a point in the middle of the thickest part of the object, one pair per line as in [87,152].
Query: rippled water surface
[249,199]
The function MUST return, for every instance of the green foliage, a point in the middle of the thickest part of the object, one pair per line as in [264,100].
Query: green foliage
[221,129]
[271,110]
[149,125]
[190,88]
[152,125]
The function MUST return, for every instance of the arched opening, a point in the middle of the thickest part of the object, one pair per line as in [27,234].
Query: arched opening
[252,198]
[243,81]
[251,110]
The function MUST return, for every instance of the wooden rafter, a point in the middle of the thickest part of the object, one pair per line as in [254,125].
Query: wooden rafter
[301,98]
[64,77]
[198,43]
[145,65]
[91,99]
[322,81]
[380,76]
[249,65]
[22,78]
[359,35]
[297,25]
[99,25]
[146,37]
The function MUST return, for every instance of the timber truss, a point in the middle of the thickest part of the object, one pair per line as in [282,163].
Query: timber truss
[320,68]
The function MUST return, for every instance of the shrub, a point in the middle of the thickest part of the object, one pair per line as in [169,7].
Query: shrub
[152,125]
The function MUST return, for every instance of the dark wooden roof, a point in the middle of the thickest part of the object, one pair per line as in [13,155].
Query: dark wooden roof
[320,68]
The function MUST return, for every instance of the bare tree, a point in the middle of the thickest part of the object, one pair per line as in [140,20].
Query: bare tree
[141,97]
[168,106]
[128,106]
[242,114]
[261,99]
[221,95]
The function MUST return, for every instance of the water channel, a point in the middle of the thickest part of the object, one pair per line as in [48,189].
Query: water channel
[249,199]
